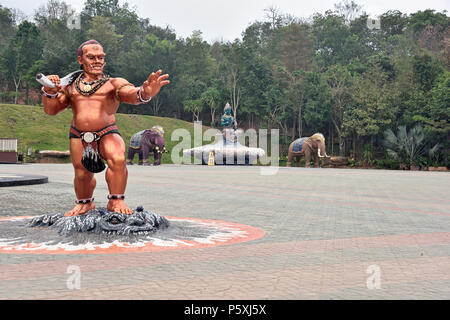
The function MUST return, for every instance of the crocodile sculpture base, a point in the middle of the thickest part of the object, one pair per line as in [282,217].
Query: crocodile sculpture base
[102,221]
[100,231]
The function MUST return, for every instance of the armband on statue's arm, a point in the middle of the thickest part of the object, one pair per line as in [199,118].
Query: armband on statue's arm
[133,95]
[120,87]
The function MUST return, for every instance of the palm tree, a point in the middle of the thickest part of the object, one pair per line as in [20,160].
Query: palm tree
[194,106]
[211,97]
[408,147]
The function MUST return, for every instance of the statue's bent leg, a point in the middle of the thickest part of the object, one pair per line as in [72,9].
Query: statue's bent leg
[112,149]
[84,181]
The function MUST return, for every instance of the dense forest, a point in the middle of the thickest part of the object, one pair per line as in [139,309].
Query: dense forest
[378,90]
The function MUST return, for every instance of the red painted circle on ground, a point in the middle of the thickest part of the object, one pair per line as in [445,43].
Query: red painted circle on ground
[227,233]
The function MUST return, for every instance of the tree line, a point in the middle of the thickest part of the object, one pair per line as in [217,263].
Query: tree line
[339,72]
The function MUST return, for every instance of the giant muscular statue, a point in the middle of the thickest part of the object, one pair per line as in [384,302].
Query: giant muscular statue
[94,136]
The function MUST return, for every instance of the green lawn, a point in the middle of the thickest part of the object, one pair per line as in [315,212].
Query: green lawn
[39,131]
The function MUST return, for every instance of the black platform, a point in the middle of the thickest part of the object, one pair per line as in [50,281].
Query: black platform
[18,179]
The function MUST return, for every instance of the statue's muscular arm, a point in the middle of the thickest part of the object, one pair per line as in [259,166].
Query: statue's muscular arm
[56,105]
[129,94]
[125,91]
[53,106]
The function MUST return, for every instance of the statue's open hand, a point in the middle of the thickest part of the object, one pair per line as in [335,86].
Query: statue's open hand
[154,83]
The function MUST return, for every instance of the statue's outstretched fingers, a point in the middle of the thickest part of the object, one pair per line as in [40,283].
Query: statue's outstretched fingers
[164,76]
[150,78]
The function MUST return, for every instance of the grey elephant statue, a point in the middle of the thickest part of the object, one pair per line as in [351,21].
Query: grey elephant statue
[146,142]
[308,146]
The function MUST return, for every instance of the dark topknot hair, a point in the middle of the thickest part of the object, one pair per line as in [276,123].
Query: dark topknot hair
[80,48]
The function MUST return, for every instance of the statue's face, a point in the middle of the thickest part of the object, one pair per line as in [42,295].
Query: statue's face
[93,59]
[228,111]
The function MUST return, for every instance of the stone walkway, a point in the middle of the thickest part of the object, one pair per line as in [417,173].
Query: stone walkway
[329,234]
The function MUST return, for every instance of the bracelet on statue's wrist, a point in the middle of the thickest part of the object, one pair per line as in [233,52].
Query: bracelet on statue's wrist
[49,95]
[139,94]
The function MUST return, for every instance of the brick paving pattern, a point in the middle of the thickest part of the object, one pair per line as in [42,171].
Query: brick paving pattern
[324,231]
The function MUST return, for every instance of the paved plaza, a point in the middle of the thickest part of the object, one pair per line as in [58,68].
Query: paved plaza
[327,234]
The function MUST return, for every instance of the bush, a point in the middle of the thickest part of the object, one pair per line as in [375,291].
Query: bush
[351,162]
[367,156]
[388,163]
[410,147]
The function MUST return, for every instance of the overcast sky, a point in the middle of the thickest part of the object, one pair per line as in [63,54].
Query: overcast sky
[226,19]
